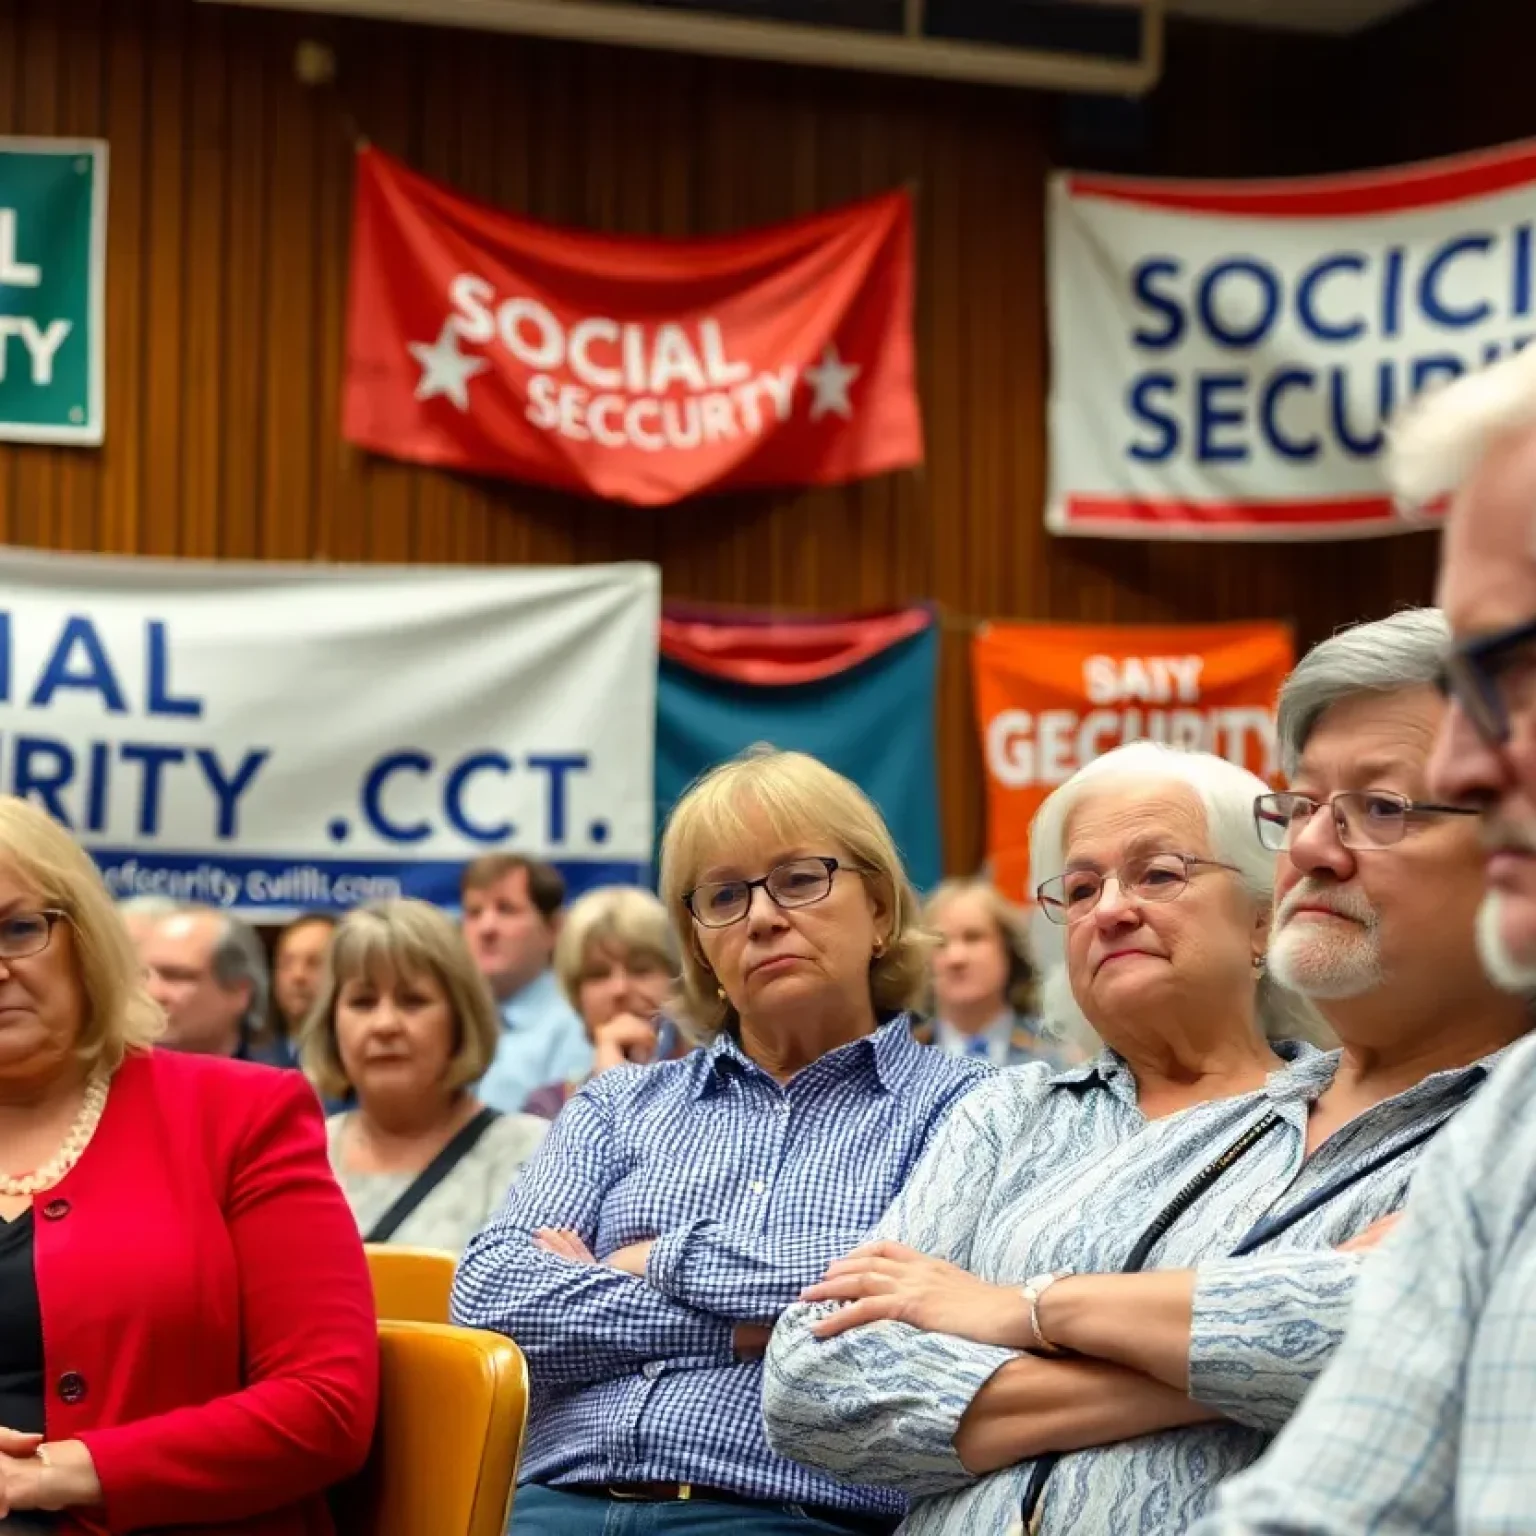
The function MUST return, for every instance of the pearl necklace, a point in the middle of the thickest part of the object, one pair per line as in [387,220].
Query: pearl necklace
[76,1141]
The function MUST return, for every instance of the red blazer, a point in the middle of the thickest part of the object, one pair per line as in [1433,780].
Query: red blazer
[208,1325]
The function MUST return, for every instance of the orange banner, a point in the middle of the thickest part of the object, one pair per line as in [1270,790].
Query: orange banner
[1051,697]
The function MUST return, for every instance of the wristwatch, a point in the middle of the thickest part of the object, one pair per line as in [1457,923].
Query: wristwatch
[1034,1288]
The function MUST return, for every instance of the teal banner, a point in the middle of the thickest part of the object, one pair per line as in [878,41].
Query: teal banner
[53,242]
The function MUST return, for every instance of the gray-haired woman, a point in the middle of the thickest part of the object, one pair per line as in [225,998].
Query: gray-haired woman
[1192,1138]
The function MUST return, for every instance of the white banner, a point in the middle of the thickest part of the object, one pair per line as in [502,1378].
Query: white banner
[275,738]
[1225,356]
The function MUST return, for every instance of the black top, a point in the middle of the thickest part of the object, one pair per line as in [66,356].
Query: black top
[21,1330]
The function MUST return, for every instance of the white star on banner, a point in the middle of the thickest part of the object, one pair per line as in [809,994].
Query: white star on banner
[444,369]
[831,379]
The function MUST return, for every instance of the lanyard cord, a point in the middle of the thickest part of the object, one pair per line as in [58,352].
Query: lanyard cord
[1148,1240]
[1269,1227]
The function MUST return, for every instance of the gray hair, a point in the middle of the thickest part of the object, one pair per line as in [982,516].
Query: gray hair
[1226,792]
[1441,438]
[149,905]
[238,957]
[1382,656]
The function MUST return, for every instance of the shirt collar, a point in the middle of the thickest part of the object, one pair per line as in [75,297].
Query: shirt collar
[891,1050]
[998,1034]
[529,1004]
[1307,1071]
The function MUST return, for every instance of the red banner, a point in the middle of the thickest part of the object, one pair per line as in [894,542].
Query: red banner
[638,370]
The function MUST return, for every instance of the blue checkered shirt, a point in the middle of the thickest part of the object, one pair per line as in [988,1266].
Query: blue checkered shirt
[1426,1419]
[750,1189]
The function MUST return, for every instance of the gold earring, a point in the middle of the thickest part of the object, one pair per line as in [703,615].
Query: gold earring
[879,948]
[1260,965]
[720,993]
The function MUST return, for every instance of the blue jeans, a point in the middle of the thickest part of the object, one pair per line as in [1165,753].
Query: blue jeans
[541,1511]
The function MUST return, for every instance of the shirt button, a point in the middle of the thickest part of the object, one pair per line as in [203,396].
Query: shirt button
[651,1369]
[758,1186]
[56,1210]
[72,1387]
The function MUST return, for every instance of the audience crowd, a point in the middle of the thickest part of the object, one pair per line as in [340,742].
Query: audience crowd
[1205,1203]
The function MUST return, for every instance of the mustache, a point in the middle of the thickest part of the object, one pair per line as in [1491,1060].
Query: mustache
[1499,834]
[1352,904]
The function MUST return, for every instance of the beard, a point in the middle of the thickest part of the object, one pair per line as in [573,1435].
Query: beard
[1332,960]
[1506,971]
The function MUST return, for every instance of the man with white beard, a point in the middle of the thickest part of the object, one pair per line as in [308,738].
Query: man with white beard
[1426,1419]
[1372,866]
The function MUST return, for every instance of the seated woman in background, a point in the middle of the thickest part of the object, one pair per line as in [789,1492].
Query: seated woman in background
[676,1209]
[984,981]
[184,1304]
[616,961]
[1182,1196]
[405,1023]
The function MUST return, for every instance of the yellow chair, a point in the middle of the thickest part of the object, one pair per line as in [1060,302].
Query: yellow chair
[452,1406]
[411,1285]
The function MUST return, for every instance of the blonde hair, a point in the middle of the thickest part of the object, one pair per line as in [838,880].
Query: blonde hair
[1012,929]
[120,1015]
[405,938]
[797,796]
[621,917]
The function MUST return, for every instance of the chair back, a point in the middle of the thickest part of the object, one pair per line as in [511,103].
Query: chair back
[453,1403]
[411,1285]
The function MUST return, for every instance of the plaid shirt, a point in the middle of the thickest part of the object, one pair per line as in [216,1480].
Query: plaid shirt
[1426,1419]
[750,1189]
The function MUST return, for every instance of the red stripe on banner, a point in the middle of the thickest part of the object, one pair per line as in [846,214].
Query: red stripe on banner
[1399,190]
[779,652]
[1096,510]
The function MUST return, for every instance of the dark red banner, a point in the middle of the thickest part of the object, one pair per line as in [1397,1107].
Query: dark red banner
[644,371]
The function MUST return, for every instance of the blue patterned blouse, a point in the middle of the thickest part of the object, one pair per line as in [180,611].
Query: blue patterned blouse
[1037,1172]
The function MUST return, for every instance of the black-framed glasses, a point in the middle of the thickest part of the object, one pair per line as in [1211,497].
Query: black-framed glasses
[1362,818]
[1478,672]
[24,934]
[1072,896]
[794,883]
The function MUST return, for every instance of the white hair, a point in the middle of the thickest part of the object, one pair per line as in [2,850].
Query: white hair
[1440,439]
[148,905]
[1380,657]
[1226,793]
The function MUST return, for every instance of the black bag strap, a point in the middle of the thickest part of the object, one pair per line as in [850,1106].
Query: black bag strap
[1040,1473]
[431,1176]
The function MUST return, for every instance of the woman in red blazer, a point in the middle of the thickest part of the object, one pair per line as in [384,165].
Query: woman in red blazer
[187,1334]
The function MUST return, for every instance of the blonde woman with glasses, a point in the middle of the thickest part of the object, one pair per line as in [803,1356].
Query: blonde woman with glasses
[187,1332]
[676,1209]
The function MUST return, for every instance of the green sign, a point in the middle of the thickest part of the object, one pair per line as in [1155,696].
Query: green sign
[53,244]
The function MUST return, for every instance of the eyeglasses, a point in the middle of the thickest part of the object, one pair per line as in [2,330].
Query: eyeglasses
[1363,818]
[24,934]
[1158,877]
[795,883]
[1479,675]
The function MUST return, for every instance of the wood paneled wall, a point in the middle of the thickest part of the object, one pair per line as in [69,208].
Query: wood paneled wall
[230,187]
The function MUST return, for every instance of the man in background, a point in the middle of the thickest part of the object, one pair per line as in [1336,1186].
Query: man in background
[142,914]
[512,908]
[298,961]
[208,971]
